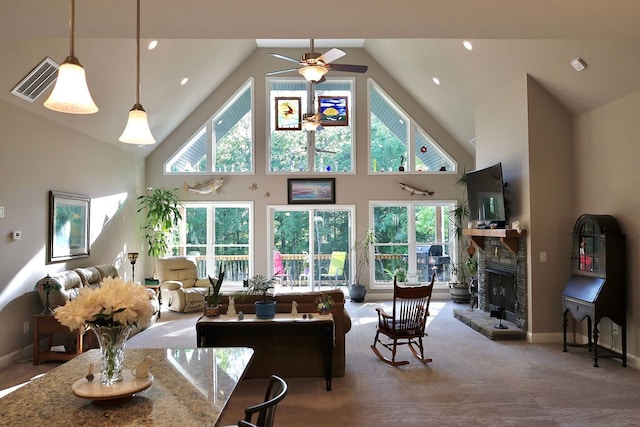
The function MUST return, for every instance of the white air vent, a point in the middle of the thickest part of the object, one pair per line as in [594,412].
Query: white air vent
[37,81]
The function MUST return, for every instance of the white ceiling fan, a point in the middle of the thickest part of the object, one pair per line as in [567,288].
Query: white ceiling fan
[314,65]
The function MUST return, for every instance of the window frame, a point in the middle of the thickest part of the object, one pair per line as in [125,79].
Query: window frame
[411,238]
[412,128]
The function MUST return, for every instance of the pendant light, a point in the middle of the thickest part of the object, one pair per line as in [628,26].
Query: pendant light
[71,93]
[137,129]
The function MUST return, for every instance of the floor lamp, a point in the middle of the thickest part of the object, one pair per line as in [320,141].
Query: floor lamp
[133,257]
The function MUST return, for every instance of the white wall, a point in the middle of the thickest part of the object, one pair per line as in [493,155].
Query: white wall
[37,156]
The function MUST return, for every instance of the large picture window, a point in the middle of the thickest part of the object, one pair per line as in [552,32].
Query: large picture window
[413,236]
[214,234]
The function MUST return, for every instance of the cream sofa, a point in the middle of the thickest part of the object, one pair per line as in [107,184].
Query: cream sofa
[181,288]
[71,281]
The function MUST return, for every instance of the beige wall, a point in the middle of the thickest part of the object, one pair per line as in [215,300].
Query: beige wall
[606,156]
[523,127]
[37,156]
[354,189]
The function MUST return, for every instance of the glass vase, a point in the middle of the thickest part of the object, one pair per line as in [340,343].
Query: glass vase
[112,340]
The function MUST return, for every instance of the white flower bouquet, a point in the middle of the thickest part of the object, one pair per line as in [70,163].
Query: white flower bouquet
[114,303]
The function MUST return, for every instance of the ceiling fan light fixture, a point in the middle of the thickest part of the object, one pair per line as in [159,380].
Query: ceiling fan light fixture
[312,73]
[308,124]
[71,93]
[137,130]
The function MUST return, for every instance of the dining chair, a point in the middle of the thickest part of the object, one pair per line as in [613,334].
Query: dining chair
[266,411]
[406,323]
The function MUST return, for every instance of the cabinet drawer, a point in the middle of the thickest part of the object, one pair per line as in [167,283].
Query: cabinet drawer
[578,309]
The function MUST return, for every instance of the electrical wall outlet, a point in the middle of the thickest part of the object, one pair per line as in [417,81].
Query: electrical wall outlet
[614,329]
[25,327]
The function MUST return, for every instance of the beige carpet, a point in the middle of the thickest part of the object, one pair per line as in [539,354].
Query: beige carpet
[471,381]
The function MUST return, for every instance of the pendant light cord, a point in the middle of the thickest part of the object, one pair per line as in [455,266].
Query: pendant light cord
[72,27]
[138,58]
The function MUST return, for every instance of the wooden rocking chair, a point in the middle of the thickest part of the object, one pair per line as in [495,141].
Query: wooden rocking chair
[407,322]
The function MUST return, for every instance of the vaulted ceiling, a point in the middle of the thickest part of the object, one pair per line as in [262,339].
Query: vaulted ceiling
[413,40]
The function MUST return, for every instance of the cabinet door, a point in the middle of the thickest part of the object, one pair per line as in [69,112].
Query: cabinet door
[590,246]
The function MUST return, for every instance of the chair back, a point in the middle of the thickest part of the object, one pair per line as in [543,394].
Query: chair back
[336,265]
[278,265]
[276,392]
[411,307]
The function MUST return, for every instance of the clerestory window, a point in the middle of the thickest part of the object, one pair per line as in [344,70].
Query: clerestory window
[393,135]
[224,143]
[328,149]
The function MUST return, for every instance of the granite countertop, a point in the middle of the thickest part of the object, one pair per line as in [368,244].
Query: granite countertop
[186,391]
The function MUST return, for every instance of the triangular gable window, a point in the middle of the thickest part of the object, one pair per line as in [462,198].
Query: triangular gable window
[393,135]
[227,138]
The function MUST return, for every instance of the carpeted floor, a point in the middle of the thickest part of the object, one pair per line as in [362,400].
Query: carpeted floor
[471,381]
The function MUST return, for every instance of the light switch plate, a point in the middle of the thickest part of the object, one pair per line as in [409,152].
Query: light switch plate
[1,211]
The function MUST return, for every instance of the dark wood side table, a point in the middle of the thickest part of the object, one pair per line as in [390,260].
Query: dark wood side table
[49,325]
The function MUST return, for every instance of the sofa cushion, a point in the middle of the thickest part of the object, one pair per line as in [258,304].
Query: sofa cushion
[90,276]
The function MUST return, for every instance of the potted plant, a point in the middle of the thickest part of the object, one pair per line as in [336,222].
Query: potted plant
[212,306]
[260,285]
[401,274]
[459,286]
[162,214]
[362,249]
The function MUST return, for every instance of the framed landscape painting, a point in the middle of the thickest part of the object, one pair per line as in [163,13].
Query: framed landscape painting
[311,190]
[68,226]
[334,110]
[288,113]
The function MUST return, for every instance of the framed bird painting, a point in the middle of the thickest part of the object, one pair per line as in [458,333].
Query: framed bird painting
[288,113]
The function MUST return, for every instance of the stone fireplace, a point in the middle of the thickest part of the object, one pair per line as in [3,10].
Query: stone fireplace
[502,279]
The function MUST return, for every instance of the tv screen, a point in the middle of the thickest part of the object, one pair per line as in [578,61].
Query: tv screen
[485,194]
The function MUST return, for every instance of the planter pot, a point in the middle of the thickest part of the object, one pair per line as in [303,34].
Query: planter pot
[459,293]
[357,293]
[265,311]
[211,310]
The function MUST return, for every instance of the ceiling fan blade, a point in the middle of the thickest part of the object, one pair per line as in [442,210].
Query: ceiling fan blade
[286,58]
[349,68]
[273,73]
[331,55]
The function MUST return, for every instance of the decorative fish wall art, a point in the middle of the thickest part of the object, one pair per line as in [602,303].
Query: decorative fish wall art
[207,187]
[414,190]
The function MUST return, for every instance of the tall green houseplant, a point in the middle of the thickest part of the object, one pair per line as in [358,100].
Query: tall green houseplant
[162,210]
[459,285]
[362,250]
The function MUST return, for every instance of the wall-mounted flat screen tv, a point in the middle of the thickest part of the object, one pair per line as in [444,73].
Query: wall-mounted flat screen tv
[485,194]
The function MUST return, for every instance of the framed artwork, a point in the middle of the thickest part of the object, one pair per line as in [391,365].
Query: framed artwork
[68,226]
[311,190]
[334,110]
[288,113]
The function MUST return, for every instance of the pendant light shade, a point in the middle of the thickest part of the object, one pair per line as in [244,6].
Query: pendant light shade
[137,130]
[71,93]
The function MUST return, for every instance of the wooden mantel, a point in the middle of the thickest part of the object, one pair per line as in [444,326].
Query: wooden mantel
[508,237]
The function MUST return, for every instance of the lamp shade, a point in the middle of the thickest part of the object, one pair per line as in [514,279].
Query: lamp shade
[312,73]
[309,124]
[71,93]
[137,130]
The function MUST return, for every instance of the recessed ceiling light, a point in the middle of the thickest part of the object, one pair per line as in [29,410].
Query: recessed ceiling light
[436,81]
[152,44]
[184,81]
[467,44]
